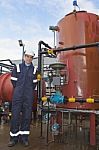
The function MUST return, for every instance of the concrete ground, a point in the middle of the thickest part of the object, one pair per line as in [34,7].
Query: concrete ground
[69,141]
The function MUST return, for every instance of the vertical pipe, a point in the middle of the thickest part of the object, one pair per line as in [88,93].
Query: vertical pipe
[39,82]
[69,118]
[1,70]
[92,129]
[47,138]
[54,39]
[23,53]
[40,72]
[39,69]
[62,122]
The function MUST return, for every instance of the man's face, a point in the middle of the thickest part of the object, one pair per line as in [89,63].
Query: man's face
[28,59]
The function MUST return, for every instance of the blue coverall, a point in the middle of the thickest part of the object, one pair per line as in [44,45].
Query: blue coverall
[24,82]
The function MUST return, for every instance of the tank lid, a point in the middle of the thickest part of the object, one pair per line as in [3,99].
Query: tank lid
[57,66]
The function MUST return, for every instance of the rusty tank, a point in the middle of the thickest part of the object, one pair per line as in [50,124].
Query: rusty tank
[82,65]
[6,88]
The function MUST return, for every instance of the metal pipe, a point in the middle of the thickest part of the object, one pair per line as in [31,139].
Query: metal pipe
[8,60]
[40,72]
[6,66]
[40,65]
[54,40]
[77,110]
[74,47]
[84,101]
[92,129]
[23,52]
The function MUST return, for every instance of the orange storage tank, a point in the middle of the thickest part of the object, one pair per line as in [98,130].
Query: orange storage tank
[6,88]
[78,28]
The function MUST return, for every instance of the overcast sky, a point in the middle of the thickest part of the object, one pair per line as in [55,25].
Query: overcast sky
[29,20]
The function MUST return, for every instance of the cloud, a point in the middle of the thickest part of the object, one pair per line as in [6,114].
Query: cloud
[57,8]
[10,48]
[89,6]
[7,5]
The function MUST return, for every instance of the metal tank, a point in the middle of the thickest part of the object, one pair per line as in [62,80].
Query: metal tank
[6,88]
[82,65]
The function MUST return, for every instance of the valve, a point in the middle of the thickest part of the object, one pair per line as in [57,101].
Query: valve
[75,5]
[38,77]
[55,128]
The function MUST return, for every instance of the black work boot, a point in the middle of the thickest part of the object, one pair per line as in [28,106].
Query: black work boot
[24,140]
[12,143]
[26,143]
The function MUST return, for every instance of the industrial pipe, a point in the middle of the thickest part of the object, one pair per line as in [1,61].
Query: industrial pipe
[39,73]
[72,48]
[39,65]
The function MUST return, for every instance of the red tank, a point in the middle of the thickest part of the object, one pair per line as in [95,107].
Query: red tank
[6,88]
[78,28]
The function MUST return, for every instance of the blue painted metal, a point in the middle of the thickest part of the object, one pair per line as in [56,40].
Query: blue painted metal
[57,98]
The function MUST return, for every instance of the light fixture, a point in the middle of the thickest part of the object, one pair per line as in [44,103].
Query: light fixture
[22,45]
[54,29]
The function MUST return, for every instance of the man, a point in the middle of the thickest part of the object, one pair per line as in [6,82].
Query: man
[24,81]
